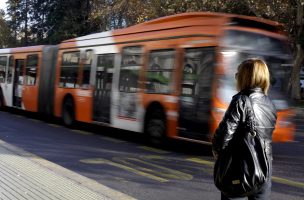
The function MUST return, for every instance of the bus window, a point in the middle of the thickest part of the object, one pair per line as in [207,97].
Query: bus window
[197,72]
[69,70]
[87,68]
[31,69]
[10,69]
[3,63]
[129,71]
[239,46]
[248,41]
[159,73]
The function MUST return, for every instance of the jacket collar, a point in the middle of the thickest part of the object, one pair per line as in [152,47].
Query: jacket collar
[251,90]
[256,89]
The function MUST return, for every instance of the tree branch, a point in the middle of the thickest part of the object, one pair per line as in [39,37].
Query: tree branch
[253,9]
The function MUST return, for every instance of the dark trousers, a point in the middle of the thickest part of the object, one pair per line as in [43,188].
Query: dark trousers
[263,194]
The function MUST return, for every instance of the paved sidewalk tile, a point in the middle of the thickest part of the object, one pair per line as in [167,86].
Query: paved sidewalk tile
[25,176]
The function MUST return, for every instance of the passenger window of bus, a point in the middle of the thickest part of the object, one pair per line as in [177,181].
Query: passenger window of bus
[69,70]
[159,73]
[3,64]
[87,68]
[197,73]
[31,69]
[130,67]
[10,69]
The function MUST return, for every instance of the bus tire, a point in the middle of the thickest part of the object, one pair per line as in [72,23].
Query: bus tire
[68,112]
[156,127]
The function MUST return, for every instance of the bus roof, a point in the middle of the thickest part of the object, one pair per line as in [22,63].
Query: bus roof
[178,21]
[22,49]
[190,19]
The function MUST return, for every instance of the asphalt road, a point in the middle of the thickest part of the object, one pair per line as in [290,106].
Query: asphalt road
[125,162]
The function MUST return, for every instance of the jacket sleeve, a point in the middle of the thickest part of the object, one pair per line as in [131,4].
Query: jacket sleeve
[233,117]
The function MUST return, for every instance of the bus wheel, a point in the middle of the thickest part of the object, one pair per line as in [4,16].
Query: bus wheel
[156,130]
[68,112]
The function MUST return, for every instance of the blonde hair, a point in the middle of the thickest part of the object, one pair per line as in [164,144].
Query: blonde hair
[253,73]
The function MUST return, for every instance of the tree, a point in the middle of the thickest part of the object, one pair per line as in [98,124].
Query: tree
[24,9]
[299,52]
[5,33]
[14,22]
[67,19]
[48,21]
[38,17]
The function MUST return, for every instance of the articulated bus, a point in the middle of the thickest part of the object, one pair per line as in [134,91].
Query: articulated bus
[170,77]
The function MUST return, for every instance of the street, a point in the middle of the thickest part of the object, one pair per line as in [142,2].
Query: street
[125,162]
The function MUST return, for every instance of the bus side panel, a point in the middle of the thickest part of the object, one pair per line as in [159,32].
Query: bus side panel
[83,105]
[8,94]
[7,86]
[5,94]
[30,98]
[47,80]
[127,123]
[30,92]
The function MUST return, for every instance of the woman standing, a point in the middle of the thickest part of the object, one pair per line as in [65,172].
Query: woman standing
[253,82]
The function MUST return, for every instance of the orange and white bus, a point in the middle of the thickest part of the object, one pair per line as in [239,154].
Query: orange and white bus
[170,77]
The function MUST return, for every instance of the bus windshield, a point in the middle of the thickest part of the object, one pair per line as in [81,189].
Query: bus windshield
[238,46]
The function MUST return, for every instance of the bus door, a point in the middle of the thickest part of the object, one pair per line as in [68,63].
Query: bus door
[195,99]
[18,83]
[102,89]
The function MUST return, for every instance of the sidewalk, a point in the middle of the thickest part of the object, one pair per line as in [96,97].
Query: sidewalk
[25,176]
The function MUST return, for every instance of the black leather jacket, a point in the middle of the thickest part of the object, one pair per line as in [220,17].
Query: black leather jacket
[237,114]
